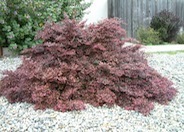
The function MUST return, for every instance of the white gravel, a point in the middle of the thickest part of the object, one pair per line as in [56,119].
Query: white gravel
[21,117]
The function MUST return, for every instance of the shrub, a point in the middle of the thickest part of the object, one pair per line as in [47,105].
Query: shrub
[78,64]
[167,24]
[148,36]
[180,38]
[21,19]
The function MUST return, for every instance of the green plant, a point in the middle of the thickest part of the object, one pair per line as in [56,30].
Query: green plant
[148,36]
[55,9]
[180,38]
[21,19]
[167,24]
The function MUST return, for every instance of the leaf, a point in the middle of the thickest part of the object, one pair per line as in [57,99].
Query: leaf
[99,47]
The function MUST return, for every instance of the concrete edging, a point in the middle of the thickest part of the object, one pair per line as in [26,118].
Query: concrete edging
[160,48]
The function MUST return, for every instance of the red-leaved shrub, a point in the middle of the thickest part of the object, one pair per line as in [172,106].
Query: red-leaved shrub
[78,64]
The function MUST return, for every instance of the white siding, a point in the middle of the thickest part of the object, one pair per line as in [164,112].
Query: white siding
[97,11]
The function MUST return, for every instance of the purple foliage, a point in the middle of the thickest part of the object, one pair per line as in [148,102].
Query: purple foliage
[78,64]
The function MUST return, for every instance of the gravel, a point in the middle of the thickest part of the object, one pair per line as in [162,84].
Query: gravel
[21,117]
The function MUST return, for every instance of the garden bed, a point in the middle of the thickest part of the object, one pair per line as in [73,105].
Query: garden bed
[22,116]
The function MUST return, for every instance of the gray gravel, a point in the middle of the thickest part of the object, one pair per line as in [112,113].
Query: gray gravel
[21,117]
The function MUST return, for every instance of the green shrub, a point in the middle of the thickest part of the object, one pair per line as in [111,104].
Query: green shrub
[21,19]
[167,24]
[180,38]
[148,36]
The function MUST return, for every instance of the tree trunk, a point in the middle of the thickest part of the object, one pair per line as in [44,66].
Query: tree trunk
[1,51]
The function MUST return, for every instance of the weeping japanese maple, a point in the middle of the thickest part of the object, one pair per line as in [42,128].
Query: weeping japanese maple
[78,64]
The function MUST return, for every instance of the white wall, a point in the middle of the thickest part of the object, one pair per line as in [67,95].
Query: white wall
[97,11]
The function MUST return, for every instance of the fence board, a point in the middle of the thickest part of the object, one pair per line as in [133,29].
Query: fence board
[137,13]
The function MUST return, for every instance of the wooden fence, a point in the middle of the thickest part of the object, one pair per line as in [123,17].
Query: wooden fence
[137,13]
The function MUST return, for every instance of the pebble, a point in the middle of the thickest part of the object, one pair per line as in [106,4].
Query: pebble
[21,117]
